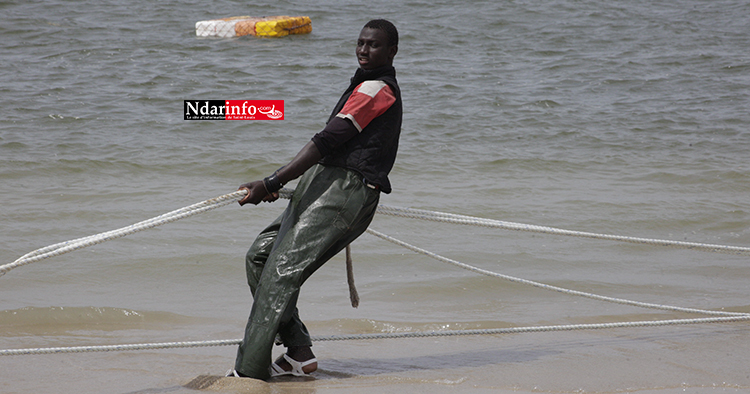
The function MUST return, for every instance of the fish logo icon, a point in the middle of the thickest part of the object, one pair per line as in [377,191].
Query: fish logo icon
[271,112]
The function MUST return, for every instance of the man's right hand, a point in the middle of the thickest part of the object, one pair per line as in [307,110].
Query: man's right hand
[256,192]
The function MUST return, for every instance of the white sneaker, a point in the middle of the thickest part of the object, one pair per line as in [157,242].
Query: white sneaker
[232,373]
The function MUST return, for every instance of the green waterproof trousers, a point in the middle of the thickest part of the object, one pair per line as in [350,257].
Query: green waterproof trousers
[331,207]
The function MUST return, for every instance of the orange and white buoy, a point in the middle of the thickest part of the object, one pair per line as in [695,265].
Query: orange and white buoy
[268,26]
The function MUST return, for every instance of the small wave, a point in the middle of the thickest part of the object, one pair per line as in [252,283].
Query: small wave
[546,103]
[369,326]
[45,320]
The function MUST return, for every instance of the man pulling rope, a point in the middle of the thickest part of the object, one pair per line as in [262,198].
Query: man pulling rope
[344,168]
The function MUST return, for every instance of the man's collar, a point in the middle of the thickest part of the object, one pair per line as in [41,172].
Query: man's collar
[362,75]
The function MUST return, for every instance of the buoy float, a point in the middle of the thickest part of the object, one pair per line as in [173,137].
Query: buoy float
[267,26]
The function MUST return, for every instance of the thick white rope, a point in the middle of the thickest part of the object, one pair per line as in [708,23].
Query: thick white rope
[207,205]
[727,317]
[69,246]
[385,335]
[80,243]
[64,247]
[117,348]
[476,221]
[549,287]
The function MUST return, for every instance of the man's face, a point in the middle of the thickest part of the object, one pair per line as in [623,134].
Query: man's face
[373,50]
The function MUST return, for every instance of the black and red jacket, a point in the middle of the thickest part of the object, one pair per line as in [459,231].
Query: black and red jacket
[371,152]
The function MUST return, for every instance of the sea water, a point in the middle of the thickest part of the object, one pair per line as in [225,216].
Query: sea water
[624,118]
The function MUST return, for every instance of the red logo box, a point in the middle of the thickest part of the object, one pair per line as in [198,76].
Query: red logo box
[254,109]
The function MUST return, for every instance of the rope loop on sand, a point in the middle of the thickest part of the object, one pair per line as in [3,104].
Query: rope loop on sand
[204,206]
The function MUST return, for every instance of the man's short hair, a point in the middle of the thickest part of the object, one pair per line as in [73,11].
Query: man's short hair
[387,27]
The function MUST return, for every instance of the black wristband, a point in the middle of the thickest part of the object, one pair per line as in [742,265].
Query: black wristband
[272,183]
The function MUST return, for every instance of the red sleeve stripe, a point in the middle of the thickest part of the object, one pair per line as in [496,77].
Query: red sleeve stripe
[368,101]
